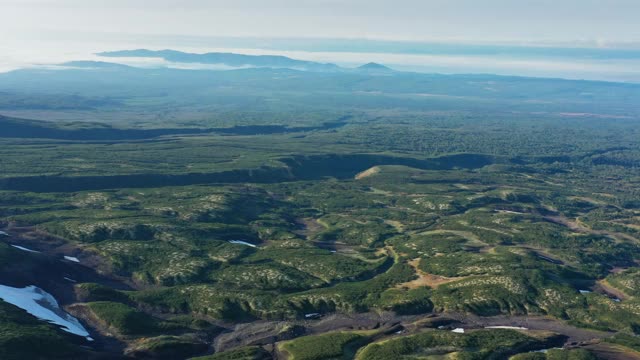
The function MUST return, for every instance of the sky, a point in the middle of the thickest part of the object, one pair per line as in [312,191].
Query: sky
[41,31]
[467,20]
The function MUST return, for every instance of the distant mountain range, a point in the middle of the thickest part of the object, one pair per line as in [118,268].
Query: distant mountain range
[229,59]
[94,64]
[375,68]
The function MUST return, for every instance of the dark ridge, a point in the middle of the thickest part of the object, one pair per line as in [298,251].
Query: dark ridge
[13,100]
[53,183]
[347,166]
[95,65]
[35,129]
[229,59]
[30,129]
[374,67]
[297,168]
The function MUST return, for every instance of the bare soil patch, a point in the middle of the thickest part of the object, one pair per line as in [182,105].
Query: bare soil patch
[308,227]
[369,172]
[604,287]
[425,279]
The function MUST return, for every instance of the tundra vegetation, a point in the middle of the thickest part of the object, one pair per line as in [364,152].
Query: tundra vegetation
[198,200]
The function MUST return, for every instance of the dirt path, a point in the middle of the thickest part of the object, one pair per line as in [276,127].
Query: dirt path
[577,226]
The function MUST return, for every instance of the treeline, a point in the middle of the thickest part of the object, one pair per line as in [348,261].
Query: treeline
[297,168]
[19,128]
[16,101]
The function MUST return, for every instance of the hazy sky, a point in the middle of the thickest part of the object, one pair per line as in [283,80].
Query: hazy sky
[42,32]
[602,21]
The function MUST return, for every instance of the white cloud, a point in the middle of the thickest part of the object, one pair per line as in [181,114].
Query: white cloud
[50,31]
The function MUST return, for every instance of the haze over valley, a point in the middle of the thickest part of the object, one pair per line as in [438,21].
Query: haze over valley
[317,180]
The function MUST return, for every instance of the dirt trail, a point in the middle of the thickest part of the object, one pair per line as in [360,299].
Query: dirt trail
[575,225]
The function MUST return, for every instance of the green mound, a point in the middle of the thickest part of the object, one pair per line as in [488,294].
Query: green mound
[336,345]
[247,353]
[23,336]
[481,344]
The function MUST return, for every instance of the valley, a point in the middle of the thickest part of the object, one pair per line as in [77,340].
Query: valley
[271,213]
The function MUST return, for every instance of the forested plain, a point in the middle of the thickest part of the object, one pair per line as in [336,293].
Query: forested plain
[275,213]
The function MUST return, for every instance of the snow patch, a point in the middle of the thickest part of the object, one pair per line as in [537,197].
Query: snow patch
[544,351]
[24,249]
[506,327]
[42,305]
[240,242]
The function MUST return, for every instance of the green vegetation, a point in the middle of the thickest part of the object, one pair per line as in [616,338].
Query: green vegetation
[556,354]
[124,319]
[247,353]
[167,347]
[338,345]
[627,281]
[91,292]
[481,344]
[22,336]
[196,200]
[626,340]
